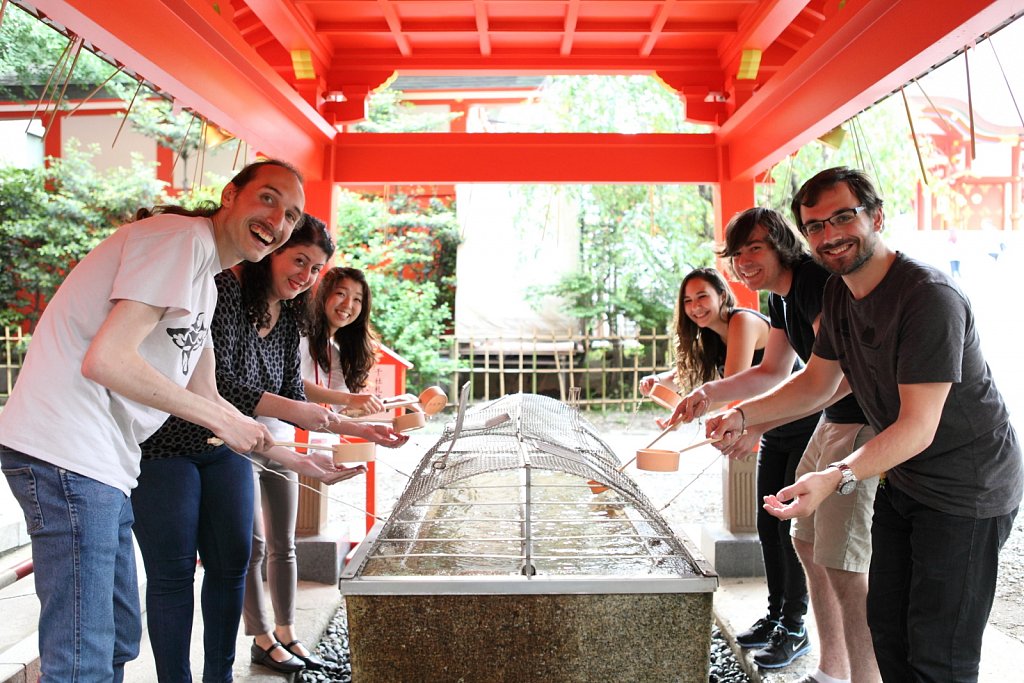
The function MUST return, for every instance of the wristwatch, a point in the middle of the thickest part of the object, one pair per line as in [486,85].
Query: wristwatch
[849,482]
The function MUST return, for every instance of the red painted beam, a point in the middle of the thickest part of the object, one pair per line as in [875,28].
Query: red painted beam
[192,53]
[523,157]
[862,52]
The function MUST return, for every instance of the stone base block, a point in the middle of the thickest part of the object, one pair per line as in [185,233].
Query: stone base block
[321,558]
[732,554]
[649,637]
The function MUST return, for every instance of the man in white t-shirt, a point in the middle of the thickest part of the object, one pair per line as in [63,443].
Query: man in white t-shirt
[123,343]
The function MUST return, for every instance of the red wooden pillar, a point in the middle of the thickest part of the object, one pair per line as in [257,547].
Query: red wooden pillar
[387,379]
[730,198]
[739,504]
[321,201]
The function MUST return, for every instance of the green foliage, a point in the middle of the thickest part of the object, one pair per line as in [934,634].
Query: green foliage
[611,104]
[409,261]
[156,119]
[28,52]
[877,141]
[52,217]
[388,114]
[635,241]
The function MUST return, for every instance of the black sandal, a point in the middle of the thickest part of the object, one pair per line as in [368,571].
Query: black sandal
[263,658]
[312,662]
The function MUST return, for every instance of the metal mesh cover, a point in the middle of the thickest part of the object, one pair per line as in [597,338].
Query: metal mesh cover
[510,491]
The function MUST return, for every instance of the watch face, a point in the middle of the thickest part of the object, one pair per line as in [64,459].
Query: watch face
[847,487]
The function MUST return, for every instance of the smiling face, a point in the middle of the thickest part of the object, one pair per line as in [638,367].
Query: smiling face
[294,270]
[701,302]
[758,265]
[844,249]
[343,305]
[259,217]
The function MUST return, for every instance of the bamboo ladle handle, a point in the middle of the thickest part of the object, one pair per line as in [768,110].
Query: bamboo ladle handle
[214,441]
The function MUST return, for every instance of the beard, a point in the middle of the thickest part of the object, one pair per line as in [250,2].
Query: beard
[845,264]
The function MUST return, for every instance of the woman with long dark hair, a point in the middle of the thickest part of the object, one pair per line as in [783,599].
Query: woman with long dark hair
[336,356]
[713,337]
[194,496]
[342,344]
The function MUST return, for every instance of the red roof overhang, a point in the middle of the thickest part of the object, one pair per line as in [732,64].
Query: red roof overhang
[821,62]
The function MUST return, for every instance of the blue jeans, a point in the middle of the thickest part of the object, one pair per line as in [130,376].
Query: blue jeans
[930,590]
[89,622]
[184,505]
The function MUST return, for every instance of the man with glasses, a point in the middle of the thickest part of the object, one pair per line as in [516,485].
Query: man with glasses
[904,336]
[833,547]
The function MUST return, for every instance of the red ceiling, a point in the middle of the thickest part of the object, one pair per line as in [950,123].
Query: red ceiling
[822,61]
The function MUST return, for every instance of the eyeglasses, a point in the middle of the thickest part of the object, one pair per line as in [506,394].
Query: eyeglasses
[839,219]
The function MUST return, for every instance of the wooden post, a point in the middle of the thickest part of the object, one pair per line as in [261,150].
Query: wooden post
[311,518]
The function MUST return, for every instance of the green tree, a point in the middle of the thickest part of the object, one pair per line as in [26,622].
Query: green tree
[29,50]
[877,141]
[635,241]
[407,253]
[155,118]
[52,217]
[387,113]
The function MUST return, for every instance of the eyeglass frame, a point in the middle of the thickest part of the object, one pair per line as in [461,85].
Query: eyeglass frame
[820,225]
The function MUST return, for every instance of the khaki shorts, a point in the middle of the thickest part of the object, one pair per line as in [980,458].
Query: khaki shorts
[840,528]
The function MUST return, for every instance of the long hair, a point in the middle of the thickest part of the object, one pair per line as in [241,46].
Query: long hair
[357,342]
[257,278]
[780,235]
[858,182]
[207,209]
[698,349]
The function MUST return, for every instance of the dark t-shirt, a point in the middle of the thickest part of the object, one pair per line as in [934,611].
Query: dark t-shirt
[782,435]
[795,314]
[247,366]
[917,327]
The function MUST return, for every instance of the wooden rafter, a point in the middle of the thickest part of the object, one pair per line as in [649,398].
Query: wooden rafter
[395,26]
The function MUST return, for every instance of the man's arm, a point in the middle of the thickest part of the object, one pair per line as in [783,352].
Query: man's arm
[912,432]
[113,360]
[808,389]
[775,366]
[742,447]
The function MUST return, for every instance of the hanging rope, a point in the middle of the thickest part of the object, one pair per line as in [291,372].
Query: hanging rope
[932,105]
[200,154]
[789,172]
[78,43]
[125,118]
[867,148]
[238,148]
[913,135]
[1009,88]
[970,103]
[3,10]
[95,90]
[46,88]
[47,94]
[770,179]
[858,155]
[184,139]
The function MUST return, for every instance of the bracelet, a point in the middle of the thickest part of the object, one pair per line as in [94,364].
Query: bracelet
[743,417]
